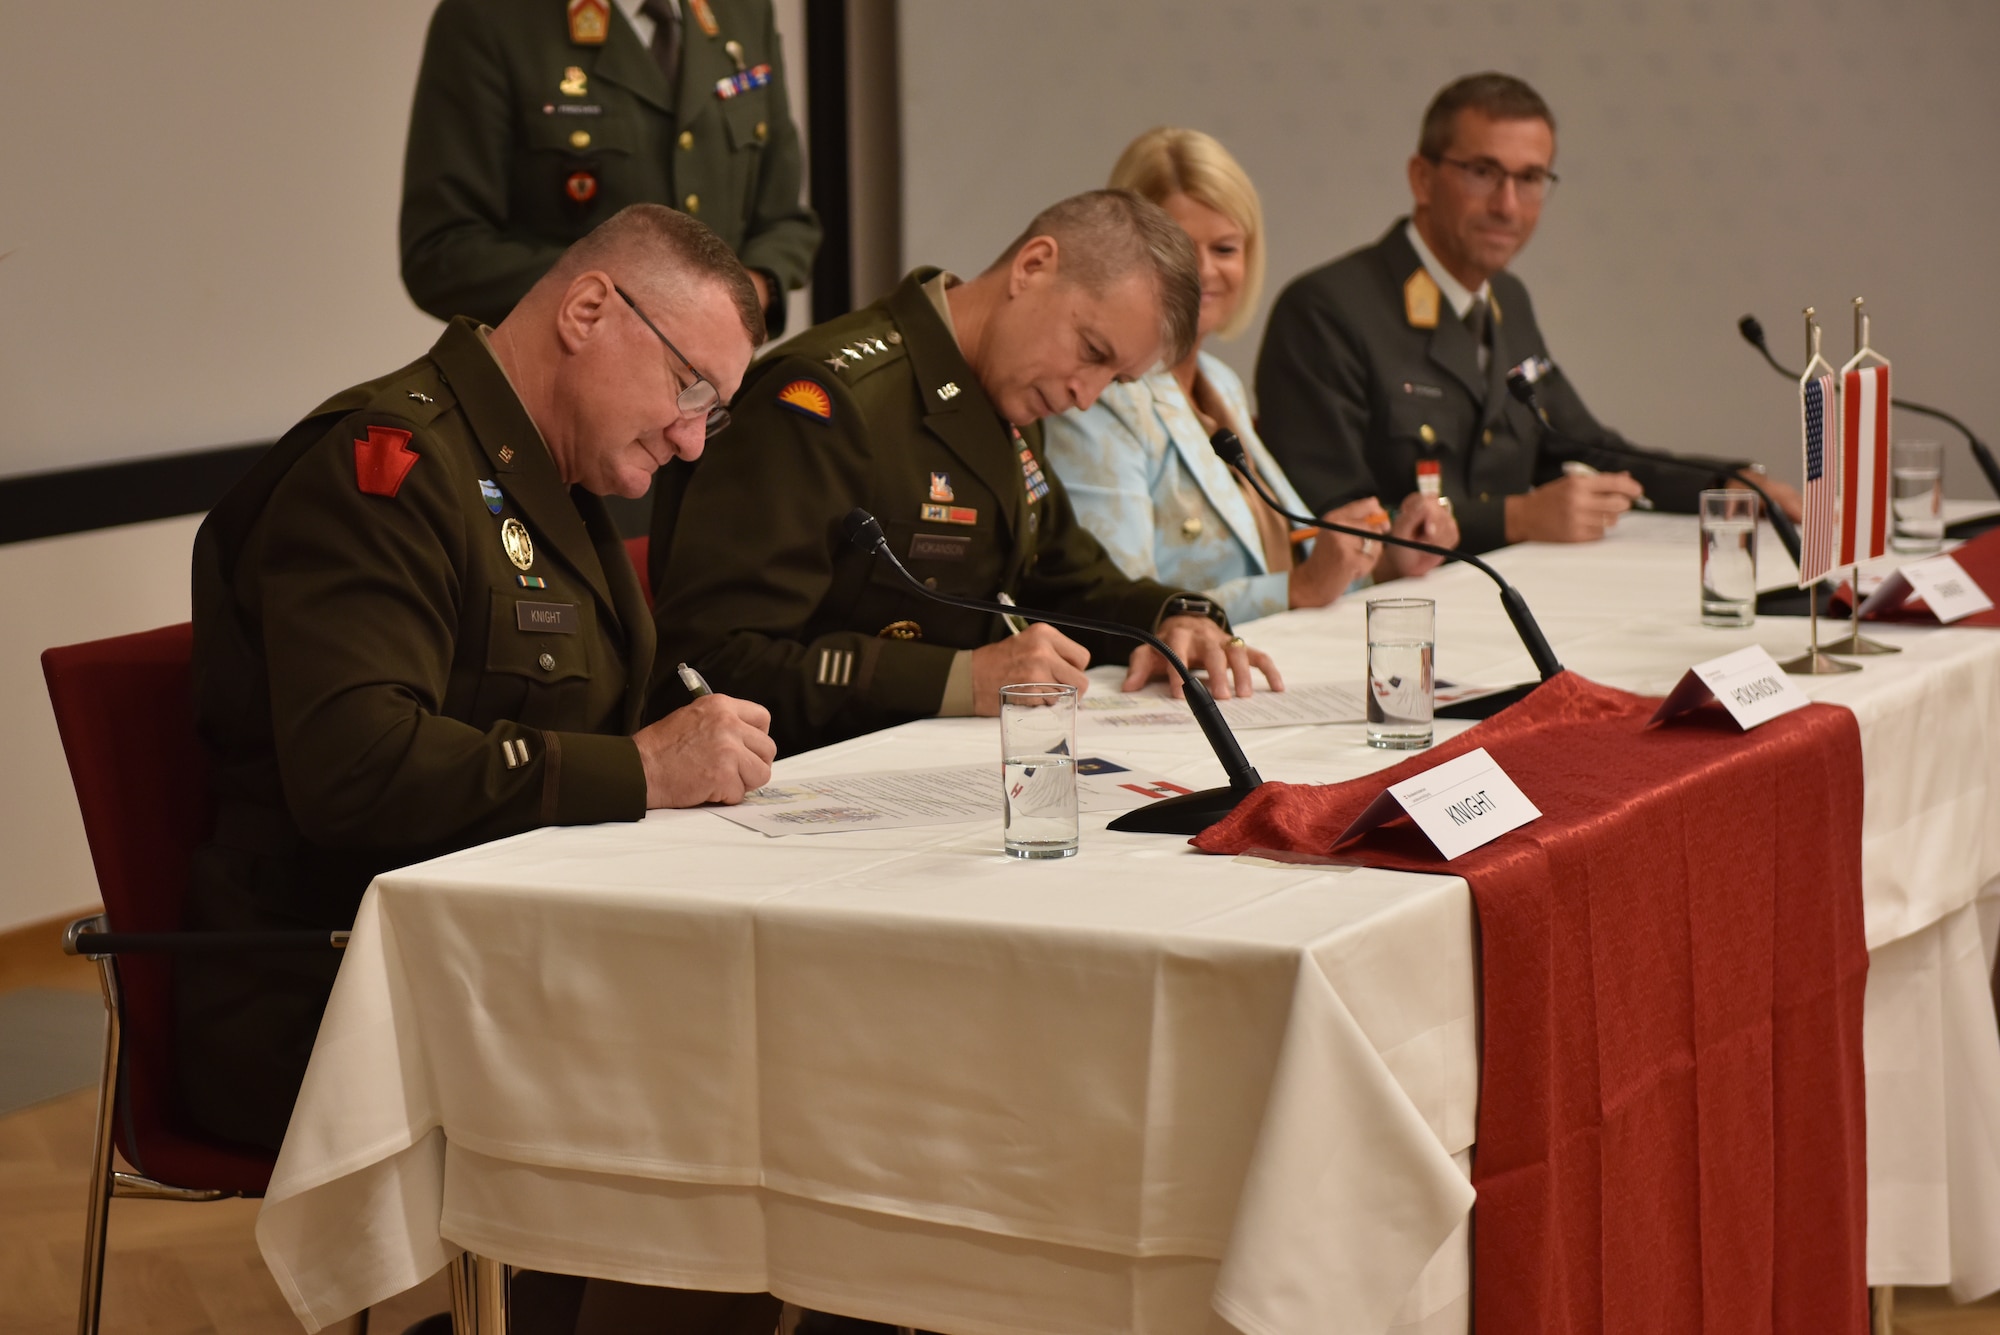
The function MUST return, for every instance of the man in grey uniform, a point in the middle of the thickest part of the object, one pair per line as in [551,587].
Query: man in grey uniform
[1389,366]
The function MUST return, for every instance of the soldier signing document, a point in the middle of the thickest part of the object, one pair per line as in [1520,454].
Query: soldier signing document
[925,409]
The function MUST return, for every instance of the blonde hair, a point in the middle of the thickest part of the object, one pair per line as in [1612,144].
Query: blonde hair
[1167,161]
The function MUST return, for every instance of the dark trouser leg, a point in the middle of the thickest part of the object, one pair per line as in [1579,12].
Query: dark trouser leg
[611,1308]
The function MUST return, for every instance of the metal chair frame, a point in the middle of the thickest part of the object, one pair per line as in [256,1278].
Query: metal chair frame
[90,938]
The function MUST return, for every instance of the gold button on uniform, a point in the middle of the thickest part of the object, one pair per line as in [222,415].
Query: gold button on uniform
[930,582]
[1486,436]
[763,132]
[579,139]
[687,138]
[692,203]
[1191,527]
[1428,436]
[548,662]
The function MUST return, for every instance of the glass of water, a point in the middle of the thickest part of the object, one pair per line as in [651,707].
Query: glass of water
[1728,557]
[1916,470]
[1038,769]
[1402,691]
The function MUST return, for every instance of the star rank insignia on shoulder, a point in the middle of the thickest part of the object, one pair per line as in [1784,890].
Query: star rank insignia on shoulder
[807,398]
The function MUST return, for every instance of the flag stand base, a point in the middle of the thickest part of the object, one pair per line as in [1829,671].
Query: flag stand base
[1813,663]
[1860,646]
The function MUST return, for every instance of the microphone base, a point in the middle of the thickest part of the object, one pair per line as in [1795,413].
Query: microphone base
[1972,528]
[1190,813]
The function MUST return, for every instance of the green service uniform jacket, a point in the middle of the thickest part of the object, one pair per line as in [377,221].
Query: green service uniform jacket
[1355,385]
[409,637]
[755,585]
[521,141]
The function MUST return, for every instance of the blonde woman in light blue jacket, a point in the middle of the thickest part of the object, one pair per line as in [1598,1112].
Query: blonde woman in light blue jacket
[1138,466]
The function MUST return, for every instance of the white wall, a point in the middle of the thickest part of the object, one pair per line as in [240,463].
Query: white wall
[1718,157]
[198,223]
[201,213]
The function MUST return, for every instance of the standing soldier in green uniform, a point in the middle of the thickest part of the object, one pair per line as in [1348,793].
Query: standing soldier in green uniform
[415,629]
[535,120]
[924,408]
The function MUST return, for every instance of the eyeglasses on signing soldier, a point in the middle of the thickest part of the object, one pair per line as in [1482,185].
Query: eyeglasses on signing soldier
[700,397]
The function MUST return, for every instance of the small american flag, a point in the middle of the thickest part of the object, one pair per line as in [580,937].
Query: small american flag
[1820,524]
[1864,467]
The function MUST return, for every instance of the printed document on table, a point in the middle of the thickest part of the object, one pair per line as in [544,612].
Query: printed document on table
[901,799]
[1154,708]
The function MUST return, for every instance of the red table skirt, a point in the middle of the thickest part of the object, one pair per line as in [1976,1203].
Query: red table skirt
[1670,1129]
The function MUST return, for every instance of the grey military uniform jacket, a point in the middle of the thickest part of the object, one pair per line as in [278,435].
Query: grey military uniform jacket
[756,586]
[409,637]
[1356,382]
[521,141]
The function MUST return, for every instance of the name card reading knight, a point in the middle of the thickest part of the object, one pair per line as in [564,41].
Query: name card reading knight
[1459,805]
[1748,683]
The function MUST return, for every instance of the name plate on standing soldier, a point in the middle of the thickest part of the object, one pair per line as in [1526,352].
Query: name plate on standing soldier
[1748,683]
[1459,805]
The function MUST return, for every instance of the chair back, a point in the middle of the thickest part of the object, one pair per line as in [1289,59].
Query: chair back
[125,710]
[637,549]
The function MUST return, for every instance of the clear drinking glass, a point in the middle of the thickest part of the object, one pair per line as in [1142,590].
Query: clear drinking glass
[1038,769]
[1916,470]
[1402,690]
[1728,557]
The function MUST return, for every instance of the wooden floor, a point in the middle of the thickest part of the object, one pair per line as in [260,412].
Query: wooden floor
[175,1268]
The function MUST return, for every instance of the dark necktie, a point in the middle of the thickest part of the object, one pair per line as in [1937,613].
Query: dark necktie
[666,40]
[1479,321]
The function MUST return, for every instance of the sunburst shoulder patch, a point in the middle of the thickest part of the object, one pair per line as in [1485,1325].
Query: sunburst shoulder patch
[809,398]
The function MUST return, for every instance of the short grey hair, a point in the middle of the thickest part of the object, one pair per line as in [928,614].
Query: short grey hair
[661,246]
[1103,235]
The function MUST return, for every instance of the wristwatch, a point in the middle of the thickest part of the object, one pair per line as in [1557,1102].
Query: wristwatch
[1189,605]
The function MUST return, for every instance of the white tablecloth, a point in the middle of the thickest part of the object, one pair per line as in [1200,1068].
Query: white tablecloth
[1142,1090]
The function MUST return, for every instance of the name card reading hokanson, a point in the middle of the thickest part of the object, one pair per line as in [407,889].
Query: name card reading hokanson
[1459,805]
[1748,683]
[548,618]
[1941,582]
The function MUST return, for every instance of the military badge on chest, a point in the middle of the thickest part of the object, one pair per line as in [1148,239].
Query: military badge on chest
[514,540]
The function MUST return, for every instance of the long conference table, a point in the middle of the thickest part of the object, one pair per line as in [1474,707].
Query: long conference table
[898,1075]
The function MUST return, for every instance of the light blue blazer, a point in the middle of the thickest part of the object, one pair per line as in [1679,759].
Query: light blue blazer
[1144,480]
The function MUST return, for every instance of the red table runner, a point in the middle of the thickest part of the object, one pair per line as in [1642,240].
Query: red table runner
[1979,558]
[1670,1130]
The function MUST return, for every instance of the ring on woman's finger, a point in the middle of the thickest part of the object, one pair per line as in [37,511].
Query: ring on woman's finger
[1236,642]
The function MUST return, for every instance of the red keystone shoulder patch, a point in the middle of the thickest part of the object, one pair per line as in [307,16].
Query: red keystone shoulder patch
[383,460]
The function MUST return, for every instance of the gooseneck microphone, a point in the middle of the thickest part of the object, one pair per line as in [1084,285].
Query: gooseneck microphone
[1522,386]
[1753,334]
[1226,444]
[1190,813]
